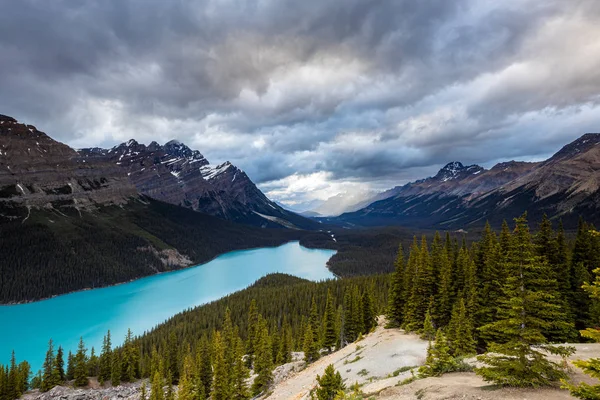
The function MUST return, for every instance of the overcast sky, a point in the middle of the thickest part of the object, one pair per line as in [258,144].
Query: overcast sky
[314,97]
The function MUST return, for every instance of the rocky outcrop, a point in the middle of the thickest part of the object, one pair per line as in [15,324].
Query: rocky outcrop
[563,187]
[37,171]
[175,174]
[129,391]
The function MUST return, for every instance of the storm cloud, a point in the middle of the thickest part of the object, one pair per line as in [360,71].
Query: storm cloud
[311,98]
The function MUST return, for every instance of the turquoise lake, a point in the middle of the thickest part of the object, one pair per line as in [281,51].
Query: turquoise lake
[144,303]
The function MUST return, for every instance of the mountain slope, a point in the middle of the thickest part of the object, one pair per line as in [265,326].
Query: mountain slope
[175,174]
[564,187]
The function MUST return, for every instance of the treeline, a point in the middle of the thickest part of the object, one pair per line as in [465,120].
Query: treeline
[511,294]
[53,253]
[210,351]
[14,379]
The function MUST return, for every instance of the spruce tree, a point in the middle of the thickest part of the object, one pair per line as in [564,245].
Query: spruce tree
[330,334]
[105,360]
[70,373]
[156,389]
[445,295]
[252,333]
[80,371]
[315,322]
[116,369]
[263,364]
[50,377]
[309,346]
[240,374]
[518,358]
[368,313]
[428,331]
[92,365]
[330,384]
[186,382]
[59,364]
[396,295]
[221,388]
[460,331]
[204,367]
[438,361]
[592,366]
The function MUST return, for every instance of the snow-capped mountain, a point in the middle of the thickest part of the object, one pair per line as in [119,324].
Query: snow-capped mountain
[564,187]
[176,174]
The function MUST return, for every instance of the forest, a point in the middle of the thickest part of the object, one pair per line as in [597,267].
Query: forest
[512,297]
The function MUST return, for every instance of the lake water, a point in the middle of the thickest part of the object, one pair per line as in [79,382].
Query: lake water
[142,304]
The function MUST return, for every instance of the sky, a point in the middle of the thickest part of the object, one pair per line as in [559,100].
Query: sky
[312,98]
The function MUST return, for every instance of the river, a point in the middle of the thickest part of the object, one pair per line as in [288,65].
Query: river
[144,303]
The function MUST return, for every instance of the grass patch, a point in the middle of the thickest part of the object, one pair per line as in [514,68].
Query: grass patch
[363,372]
[355,359]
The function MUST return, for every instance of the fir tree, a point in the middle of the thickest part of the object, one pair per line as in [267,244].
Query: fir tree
[592,366]
[519,358]
[156,389]
[240,374]
[80,371]
[284,353]
[93,367]
[460,331]
[263,365]
[59,364]
[310,347]
[330,333]
[396,295]
[116,369]
[143,394]
[330,384]
[50,377]
[186,382]
[221,389]
[444,296]
[438,361]
[428,331]
[105,360]
[368,313]
[204,367]
[70,373]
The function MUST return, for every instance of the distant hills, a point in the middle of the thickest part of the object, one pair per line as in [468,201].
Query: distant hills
[564,187]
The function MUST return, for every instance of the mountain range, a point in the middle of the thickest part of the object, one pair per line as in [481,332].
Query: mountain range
[564,187]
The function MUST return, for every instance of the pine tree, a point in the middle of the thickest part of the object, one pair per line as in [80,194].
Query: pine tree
[460,331]
[330,334]
[172,360]
[368,313]
[240,374]
[438,361]
[284,353]
[11,384]
[444,296]
[186,382]
[396,295]
[93,366]
[221,389]
[519,357]
[59,364]
[263,364]
[310,347]
[428,331]
[116,369]
[330,384]
[204,367]
[592,366]
[156,389]
[50,377]
[130,359]
[70,373]
[315,323]
[143,394]
[105,360]
[80,371]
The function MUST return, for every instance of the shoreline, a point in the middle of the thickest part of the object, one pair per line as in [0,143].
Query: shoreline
[17,303]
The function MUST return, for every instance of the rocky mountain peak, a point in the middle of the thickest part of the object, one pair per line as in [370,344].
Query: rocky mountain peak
[577,147]
[456,170]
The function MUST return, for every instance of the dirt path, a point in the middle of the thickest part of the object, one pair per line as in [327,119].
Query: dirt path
[372,359]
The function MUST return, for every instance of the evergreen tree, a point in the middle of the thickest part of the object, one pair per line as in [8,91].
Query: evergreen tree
[330,334]
[172,360]
[11,383]
[186,382]
[519,359]
[221,389]
[240,374]
[444,296]
[156,389]
[330,384]
[130,359]
[263,365]
[143,394]
[315,322]
[592,366]
[59,364]
[116,370]
[396,295]
[284,353]
[368,313]
[80,371]
[50,377]
[438,361]
[105,362]
[310,347]
[70,373]
[204,366]
[93,366]
[460,331]
[428,331]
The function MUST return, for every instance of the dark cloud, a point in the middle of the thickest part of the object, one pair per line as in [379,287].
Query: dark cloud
[346,92]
